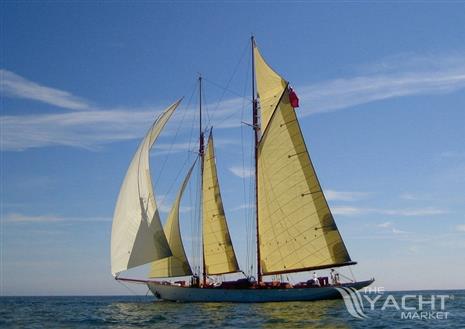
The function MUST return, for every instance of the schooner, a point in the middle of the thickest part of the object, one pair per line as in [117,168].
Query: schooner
[295,230]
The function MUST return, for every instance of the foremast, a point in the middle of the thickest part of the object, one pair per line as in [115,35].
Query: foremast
[201,156]
[217,248]
[256,129]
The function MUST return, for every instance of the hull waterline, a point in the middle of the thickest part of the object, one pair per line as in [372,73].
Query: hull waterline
[188,294]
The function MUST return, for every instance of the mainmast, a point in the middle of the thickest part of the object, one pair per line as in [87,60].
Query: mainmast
[256,129]
[201,154]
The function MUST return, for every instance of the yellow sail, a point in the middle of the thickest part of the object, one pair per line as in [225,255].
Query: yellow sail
[296,228]
[176,265]
[270,87]
[219,253]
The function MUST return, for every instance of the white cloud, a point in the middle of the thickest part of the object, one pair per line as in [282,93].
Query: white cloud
[165,203]
[389,226]
[332,195]
[171,148]
[409,196]
[243,206]
[339,210]
[399,76]
[77,129]
[412,212]
[22,218]
[460,228]
[14,85]
[452,154]
[385,225]
[396,231]
[349,211]
[241,172]
[165,208]
[432,75]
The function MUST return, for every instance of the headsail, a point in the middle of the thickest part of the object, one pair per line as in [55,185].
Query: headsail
[219,256]
[296,228]
[176,265]
[137,235]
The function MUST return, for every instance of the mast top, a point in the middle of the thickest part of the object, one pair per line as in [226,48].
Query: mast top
[201,137]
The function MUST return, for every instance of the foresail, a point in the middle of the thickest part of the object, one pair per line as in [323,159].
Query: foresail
[219,253]
[296,228]
[270,88]
[137,235]
[176,265]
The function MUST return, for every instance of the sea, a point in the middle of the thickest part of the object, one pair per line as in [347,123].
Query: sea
[388,311]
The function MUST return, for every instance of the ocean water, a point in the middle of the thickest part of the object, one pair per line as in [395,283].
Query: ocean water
[146,312]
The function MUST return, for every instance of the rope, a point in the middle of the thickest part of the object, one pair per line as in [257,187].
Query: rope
[346,277]
[248,229]
[175,137]
[226,88]
[352,274]
[129,289]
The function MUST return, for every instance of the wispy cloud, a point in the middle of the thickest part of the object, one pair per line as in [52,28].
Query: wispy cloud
[172,148]
[13,85]
[385,225]
[90,126]
[351,211]
[390,227]
[460,228]
[241,172]
[243,206]
[452,154]
[346,211]
[409,196]
[77,129]
[396,231]
[22,218]
[412,212]
[332,195]
[396,78]
[165,203]
[166,208]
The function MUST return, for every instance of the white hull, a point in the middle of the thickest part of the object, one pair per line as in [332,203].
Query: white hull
[188,294]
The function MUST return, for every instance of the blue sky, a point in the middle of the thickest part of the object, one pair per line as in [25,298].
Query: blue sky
[382,89]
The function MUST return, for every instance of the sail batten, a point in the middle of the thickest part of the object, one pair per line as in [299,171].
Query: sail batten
[296,231]
[137,236]
[219,256]
[177,264]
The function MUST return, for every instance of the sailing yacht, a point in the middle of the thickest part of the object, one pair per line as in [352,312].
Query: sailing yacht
[295,230]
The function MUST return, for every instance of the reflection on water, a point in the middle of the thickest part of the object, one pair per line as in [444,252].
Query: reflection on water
[215,315]
[144,312]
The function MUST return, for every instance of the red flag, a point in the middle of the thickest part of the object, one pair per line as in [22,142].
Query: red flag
[293,99]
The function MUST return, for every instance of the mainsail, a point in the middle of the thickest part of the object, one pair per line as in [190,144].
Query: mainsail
[297,231]
[137,235]
[176,265]
[219,256]
[270,88]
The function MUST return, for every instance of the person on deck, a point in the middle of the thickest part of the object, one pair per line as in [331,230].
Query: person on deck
[334,277]
[316,282]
